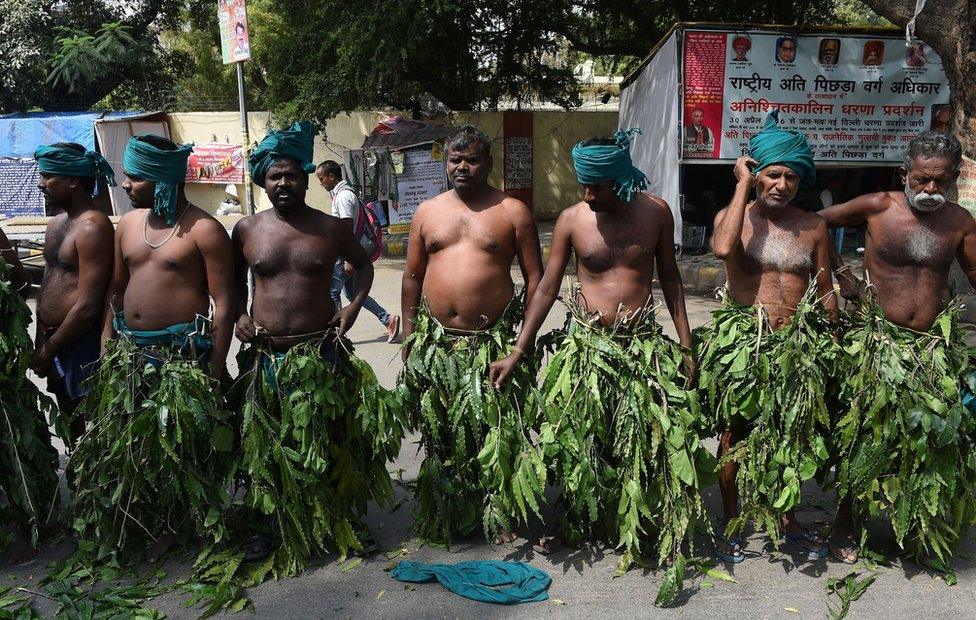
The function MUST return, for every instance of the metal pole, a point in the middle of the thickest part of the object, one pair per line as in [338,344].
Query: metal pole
[248,190]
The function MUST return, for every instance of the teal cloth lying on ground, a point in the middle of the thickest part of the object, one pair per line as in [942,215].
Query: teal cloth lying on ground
[478,580]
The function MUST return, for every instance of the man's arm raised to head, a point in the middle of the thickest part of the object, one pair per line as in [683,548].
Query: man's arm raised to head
[94,243]
[218,260]
[413,276]
[115,292]
[727,234]
[822,269]
[362,279]
[668,274]
[19,280]
[545,295]
[527,248]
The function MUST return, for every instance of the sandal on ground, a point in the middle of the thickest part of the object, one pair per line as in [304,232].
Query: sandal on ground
[547,545]
[733,549]
[806,544]
[844,550]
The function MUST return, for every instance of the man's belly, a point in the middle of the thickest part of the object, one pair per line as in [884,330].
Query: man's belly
[779,293]
[467,293]
[287,306]
[910,302]
[59,292]
[155,300]
[615,296]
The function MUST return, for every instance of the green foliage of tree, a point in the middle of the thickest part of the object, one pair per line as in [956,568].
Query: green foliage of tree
[89,48]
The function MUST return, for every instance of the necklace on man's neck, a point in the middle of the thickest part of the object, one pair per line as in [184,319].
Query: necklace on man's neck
[145,228]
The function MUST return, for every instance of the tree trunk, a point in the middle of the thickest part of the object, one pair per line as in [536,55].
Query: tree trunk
[948,27]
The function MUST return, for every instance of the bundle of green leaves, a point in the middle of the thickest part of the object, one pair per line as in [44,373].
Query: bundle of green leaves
[907,444]
[777,384]
[619,429]
[156,455]
[480,465]
[28,461]
[315,443]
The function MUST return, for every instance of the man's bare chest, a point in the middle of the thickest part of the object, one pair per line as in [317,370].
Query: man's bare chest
[178,253]
[306,255]
[602,250]
[906,242]
[488,233]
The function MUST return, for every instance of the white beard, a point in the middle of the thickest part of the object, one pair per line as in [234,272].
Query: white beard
[922,244]
[779,251]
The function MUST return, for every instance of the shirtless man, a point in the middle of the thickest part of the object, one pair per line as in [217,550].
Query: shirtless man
[291,251]
[78,266]
[171,259]
[165,273]
[772,251]
[913,237]
[459,258]
[619,235]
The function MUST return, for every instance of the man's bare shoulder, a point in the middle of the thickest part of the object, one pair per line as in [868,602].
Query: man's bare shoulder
[94,223]
[961,216]
[131,218]
[653,203]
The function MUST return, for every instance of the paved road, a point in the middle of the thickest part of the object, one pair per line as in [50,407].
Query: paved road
[771,584]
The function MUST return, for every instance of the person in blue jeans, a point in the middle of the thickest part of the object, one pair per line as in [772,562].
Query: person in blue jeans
[345,206]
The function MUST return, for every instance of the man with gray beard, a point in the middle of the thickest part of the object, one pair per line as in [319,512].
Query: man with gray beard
[907,357]
[764,359]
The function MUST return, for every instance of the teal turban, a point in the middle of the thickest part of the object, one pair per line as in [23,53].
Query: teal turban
[296,143]
[788,147]
[598,163]
[66,161]
[144,161]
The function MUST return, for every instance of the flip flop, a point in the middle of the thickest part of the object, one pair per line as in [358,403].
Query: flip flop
[803,543]
[734,543]
[843,547]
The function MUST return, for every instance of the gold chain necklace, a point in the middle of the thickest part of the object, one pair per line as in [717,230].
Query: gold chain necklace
[145,227]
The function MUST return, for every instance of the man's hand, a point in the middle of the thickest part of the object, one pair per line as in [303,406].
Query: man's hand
[851,288]
[348,268]
[501,370]
[41,360]
[344,319]
[743,170]
[244,329]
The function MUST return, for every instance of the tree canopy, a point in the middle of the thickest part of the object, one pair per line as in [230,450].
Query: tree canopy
[315,58]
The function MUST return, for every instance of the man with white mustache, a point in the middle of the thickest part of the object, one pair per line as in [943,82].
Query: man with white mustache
[913,236]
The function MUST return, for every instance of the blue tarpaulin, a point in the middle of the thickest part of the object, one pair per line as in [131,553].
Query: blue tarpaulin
[21,134]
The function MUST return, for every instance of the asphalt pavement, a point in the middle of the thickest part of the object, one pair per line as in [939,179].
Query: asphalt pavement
[770,583]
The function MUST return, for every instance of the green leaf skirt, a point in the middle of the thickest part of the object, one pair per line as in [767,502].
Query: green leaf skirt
[317,432]
[28,461]
[155,458]
[480,465]
[906,441]
[777,387]
[619,428]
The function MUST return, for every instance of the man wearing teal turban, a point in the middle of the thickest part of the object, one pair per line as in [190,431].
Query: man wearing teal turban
[620,234]
[299,370]
[165,339]
[78,266]
[166,168]
[297,143]
[768,355]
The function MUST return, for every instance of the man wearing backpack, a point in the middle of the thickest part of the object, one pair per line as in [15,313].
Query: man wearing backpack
[346,207]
